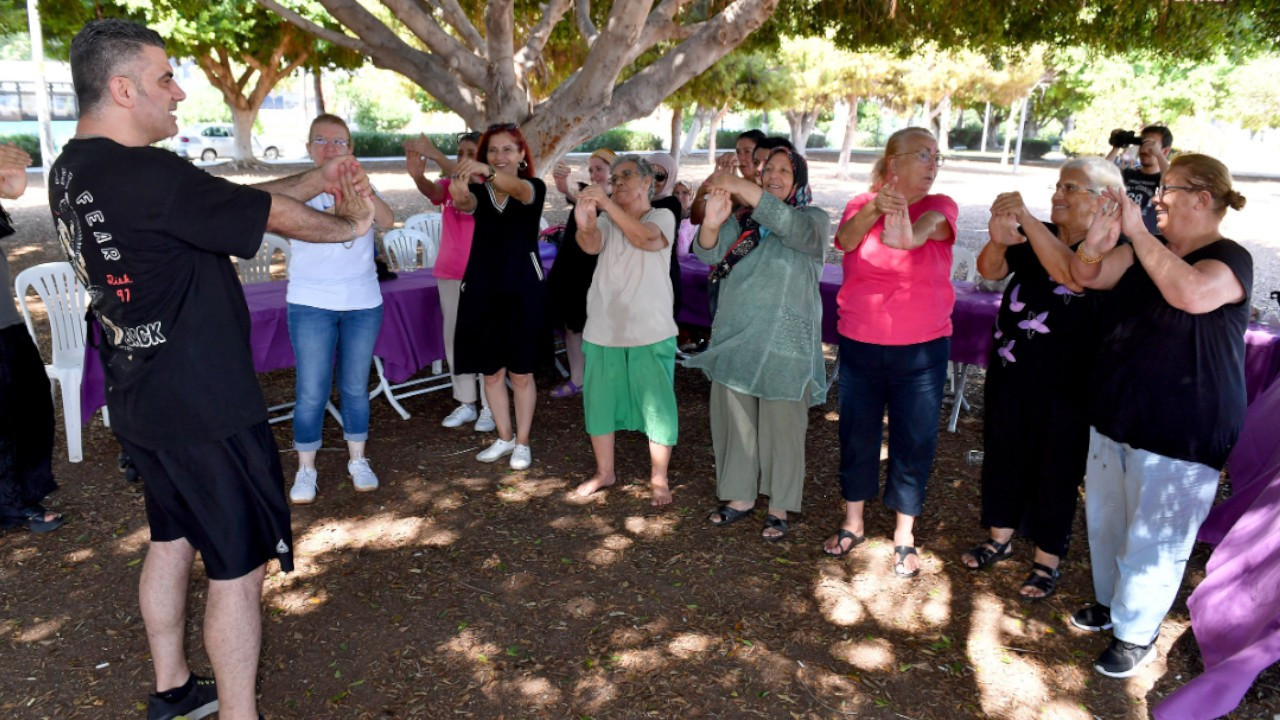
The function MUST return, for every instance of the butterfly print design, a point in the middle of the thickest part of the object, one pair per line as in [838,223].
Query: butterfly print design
[1035,323]
[1066,293]
[1014,305]
[1006,352]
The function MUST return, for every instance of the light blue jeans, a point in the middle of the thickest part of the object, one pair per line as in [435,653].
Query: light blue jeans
[316,334]
[1143,511]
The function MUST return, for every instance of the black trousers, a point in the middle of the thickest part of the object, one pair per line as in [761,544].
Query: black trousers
[26,425]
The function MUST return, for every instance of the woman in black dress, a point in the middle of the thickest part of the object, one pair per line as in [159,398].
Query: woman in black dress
[501,325]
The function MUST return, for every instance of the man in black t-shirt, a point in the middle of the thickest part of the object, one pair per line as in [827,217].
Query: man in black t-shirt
[1140,183]
[149,235]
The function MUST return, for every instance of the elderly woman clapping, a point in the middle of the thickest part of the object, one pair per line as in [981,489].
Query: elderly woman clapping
[1036,428]
[765,358]
[630,336]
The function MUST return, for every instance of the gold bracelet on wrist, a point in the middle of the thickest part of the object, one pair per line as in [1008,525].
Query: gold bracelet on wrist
[1086,258]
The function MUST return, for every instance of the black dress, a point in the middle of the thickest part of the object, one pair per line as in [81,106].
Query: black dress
[502,303]
[569,280]
[671,203]
[1035,427]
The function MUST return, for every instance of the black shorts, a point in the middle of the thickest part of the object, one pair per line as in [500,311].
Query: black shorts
[225,497]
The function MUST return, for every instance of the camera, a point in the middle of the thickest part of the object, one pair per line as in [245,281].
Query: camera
[1124,138]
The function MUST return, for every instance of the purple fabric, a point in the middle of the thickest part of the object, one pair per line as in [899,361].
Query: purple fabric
[1261,359]
[411,338]
[1235,610]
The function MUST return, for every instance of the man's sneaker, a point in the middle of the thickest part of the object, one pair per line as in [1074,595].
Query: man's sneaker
[1094,618]
[362,476]
[303,491]
[521,457]
[199,702]
[486,423]
[499,449]
[1123,659]
[460,416]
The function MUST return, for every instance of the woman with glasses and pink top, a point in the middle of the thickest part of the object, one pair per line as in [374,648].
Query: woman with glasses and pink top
[895,338]
[334,305]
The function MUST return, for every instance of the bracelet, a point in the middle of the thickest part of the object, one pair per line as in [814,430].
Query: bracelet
[1085,257]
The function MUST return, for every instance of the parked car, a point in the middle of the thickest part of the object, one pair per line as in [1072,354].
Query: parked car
[210,141]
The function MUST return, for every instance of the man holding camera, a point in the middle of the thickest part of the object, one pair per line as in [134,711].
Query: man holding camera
[1140,183]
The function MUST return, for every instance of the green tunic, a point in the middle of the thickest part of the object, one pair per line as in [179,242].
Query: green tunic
[766,339]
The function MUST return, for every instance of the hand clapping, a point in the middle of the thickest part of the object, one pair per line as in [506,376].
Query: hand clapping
[719,205]
[889,200]
[354,206]
[1104,231]
[468,167]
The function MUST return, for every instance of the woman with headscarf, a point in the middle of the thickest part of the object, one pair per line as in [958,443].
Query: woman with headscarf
[765,357]
[665,170]
[570,276]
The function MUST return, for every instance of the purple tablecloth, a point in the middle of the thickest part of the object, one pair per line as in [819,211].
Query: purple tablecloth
[411,338]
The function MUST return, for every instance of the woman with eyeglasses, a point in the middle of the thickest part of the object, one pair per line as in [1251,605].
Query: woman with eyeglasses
[502,331]
[1168,394]
[456,229]
[1035,425]
[765,358]
[334,304]
[630,336]
[895,337]
[571,273]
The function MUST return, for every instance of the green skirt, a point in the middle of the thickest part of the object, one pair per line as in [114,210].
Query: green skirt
[631,388]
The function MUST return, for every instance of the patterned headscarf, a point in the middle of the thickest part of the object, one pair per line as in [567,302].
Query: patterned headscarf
[752,233]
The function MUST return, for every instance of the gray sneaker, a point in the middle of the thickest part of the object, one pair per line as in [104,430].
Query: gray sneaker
[486,423]
[1124,659]
[303,491]
[362,476]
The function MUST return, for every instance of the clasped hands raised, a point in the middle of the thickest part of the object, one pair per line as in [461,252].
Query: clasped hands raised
[344,178]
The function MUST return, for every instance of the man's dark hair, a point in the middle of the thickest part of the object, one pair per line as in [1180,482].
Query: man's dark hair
[104,49]
[754,136]
[1166,137]
[775,141]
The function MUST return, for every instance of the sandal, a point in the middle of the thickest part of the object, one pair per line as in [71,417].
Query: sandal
[776,523]
[841,536]
[989,553]
[727,515]
[900,554]
[34,520]
[567,389]
[1042,578]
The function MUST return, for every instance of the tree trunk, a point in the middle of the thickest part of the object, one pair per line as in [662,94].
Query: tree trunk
[700,118]
[714,128]
[944,124]
[926,115]
[802,123]
[986,123]
[1008,133]
[677,119]
[850,127]
[242,119]
[319,87]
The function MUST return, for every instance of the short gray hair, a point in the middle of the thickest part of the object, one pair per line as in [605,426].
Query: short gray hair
[1100,173]
[646,170]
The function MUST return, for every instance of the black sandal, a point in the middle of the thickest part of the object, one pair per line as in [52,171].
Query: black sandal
[1042,578]
[900,554]
[727,515]
[989,553]
[776,523]
[841,536]
[33,519]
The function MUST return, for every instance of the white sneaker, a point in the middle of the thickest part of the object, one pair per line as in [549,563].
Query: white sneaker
[362,476]
[303,491]
[521,457]
[486,423]
[460,416]
[499,449]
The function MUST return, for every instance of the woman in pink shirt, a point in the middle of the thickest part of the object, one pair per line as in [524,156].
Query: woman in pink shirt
[895,336]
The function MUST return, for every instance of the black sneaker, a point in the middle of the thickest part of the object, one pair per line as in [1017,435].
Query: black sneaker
[1123,659]
[198,703]
[1094,618]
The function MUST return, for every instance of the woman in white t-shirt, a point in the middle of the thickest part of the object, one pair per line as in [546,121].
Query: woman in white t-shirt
[334,304]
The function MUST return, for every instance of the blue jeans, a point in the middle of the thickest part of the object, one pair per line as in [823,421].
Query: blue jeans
[909,379]
[316,334]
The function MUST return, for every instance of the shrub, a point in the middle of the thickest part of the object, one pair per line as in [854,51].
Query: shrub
[30,143]
[1033,149]
[622,140]
[385,144]
[969,136]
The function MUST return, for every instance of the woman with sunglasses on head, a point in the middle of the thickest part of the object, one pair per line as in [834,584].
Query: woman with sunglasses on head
[334,304]
[502,329]
[895,337]
[571,273]
[456,229]
[630,337]
[765,357]
[1168,394]
[1035,425]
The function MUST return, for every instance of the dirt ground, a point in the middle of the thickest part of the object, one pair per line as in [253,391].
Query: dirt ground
[465,590]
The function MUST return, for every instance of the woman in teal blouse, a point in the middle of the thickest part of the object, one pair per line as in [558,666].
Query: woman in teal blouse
[765,358]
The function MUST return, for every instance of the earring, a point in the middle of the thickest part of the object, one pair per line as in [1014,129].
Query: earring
[524,165]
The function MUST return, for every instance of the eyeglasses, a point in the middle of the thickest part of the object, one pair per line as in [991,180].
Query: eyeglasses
[1160,191]
[1071,189]
[660,177]
[624,175]
[502,126]
[337,142]
[925,157]
[471,136]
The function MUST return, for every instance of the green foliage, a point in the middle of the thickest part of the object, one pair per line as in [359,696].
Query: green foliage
[969,137]
[386,144]
[1033,148]
[30,143]
[623,140]
[203,104]
[1255,97]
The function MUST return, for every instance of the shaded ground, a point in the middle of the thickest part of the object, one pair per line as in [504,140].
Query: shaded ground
[460,589]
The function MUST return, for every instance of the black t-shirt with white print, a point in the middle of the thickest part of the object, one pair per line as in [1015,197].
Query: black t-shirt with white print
[149,235]
[1141,189]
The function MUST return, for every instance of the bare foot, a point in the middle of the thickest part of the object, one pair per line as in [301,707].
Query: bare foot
[661,493]
[843,542]
[597,482]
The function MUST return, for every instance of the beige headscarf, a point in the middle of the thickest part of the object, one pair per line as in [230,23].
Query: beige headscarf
[668,164]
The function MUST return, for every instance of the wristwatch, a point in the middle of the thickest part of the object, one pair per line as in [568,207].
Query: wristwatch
[491,175]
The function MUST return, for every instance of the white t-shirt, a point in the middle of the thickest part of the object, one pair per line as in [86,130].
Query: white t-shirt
[630,300]
[333,276]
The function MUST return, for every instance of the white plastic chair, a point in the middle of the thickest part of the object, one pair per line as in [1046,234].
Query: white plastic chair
[258,268]
[963,258]
[964,266]
[543,224]
[402,248]
[65,301]
[431,227]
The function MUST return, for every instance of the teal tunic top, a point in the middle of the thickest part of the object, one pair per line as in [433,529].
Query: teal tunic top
[766,339]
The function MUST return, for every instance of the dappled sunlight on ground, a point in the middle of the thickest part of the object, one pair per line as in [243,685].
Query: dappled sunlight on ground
[869,655]
[651,527]
[39,630]
[522,489]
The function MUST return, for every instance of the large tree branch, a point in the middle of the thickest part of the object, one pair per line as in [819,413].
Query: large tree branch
[507,97]
[615,48]
[586,28]
[468,66]
[458,20]
[530,56]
